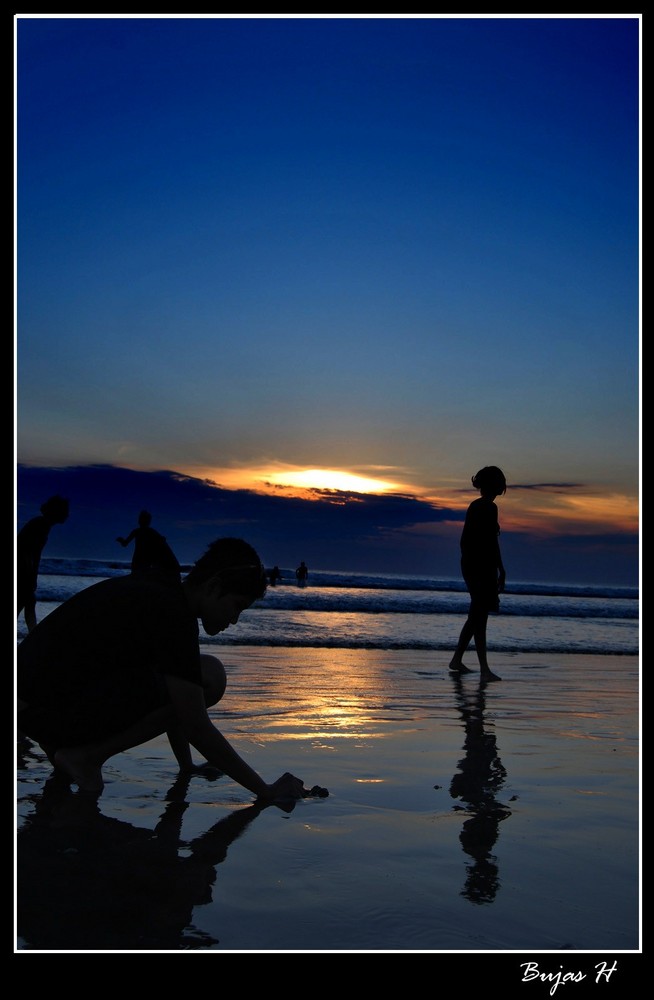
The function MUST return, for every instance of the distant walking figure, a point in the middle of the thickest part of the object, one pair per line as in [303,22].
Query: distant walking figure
[302,573]
[152,553]
[274,575]
[29,546]
[482,568]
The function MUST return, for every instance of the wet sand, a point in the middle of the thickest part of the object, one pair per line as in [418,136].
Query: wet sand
[463,820]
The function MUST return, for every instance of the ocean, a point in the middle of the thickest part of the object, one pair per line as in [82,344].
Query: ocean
[339,610]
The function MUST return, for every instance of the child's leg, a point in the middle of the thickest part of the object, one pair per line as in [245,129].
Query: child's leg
[456,663]
[480,624]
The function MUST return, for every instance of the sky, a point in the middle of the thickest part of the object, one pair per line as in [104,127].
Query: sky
[313,272]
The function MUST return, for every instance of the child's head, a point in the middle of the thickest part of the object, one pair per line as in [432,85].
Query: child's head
[490,479]
[145,518]
[240,568]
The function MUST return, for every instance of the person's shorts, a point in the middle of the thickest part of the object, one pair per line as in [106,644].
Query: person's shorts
[484,601]
[482,587]
[101,713]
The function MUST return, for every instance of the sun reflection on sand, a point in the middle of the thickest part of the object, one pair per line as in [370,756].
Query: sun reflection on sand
[326,699]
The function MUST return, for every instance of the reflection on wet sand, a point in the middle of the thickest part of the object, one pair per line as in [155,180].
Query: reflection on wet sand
[86,881]
[479,778]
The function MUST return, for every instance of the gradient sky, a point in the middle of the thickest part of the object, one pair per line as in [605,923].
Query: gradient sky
[400,248]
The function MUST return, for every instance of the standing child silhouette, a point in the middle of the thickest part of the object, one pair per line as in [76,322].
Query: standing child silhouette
[482,568]
[31,541]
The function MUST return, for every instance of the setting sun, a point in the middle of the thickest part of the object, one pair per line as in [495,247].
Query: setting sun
[296,481]
[330,479]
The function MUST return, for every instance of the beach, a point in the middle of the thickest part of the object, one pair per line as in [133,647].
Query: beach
[495,819]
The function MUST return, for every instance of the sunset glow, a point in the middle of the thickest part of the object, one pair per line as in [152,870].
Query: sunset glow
[297,481]
[332,479]
[332,316]
[542,512]
[580,513]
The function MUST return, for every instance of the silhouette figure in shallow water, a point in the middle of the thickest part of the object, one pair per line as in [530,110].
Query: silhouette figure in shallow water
[87,881]
[152,553]
[274,575]
[30,543]
[302,573]
[481,567]
[480,777]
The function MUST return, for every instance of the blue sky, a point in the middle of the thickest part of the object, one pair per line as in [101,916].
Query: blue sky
[399,248]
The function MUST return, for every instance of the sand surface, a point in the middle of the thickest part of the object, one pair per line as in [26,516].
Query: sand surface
[500,819]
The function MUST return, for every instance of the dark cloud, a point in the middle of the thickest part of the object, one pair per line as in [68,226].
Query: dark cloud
[542,487]
[338,530]
[548,487]
[610,559]
[105,502]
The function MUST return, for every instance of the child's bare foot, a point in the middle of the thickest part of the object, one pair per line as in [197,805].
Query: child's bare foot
[459,668]
[488,675]
[84,773]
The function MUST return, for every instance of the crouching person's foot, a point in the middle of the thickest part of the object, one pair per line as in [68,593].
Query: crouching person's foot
[75,763]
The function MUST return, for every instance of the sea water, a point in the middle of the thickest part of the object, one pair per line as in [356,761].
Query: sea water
[384,611]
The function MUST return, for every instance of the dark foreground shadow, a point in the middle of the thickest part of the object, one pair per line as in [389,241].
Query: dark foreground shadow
[479,778]
[85,881]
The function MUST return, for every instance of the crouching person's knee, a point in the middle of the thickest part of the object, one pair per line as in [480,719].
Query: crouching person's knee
[214,678]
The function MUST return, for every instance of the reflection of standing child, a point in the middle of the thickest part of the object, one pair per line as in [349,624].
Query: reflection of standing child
[482,568]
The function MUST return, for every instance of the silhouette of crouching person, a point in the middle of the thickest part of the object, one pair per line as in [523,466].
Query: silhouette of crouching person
[119,664]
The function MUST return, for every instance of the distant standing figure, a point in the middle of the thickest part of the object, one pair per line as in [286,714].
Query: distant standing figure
[302,573]
[29,546]
[152,553]
[274,575]
[481,567]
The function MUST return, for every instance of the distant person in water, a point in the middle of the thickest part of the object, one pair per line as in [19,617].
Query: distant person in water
[152,553]
[119,664]
[29,546]
[302,573]
[481,567]
[274,575]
